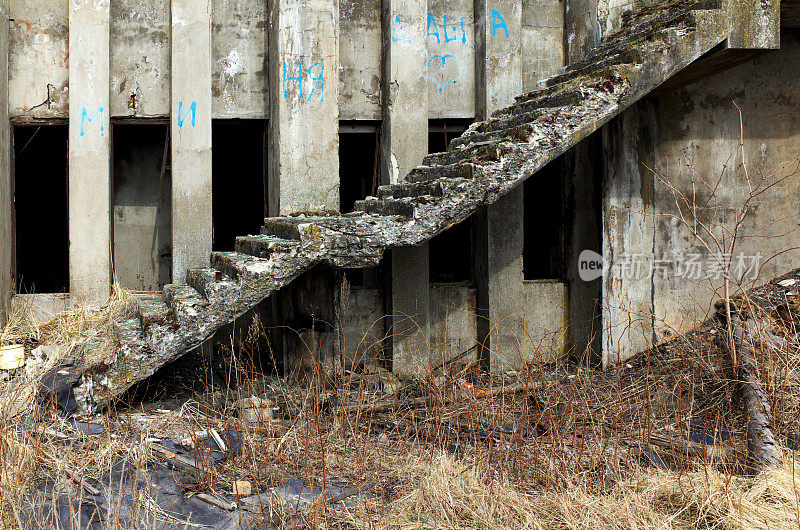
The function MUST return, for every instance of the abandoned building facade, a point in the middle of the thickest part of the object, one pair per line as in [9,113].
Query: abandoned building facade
[141,136]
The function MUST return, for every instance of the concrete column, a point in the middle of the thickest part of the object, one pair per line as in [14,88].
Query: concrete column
[405,87]
[498,54]
[190,130]
[581,28]
[499,230]
[410,310]
[500,298]
[304,109]
[6,233]
[89,151]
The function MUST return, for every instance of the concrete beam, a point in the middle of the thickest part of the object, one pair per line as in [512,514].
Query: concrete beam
[304,107]
[410,310]
[405,88]
[89,151]
[190,129]
[498,54]
[6,230]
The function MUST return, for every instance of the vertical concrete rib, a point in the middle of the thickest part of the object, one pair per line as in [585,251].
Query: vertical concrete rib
[304,106]
[6,280]
[404,140]
[89,151]
[498,247]
[405,87]
[190,126]
[498,41]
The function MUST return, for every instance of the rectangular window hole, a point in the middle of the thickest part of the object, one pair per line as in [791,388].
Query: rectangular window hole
[41,216]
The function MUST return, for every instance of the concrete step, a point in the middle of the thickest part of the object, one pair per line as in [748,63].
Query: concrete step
[231,263]
[128,330]
[386,207]
[180,296]
[202,278]
[464,170]
[514,120]
[288,227]
[518,133]
[263,246]
[420,189]
[477,152]
[154,312]
[545,99]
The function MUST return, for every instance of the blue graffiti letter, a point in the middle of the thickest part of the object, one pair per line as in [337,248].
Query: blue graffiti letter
[435,32]
[498,22]
[299,80]
[319,80]
[455,31]
[182,115]
[85,117]
[398,35]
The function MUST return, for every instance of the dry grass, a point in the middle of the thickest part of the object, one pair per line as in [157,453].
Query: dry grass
[573,459]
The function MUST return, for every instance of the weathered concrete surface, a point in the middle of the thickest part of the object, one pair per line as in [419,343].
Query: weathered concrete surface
[696,130]
[140,48]
[89,151]
[453,326]
[38,78]
[581,28]
[628,235]
[359,60]
[304,114]
[364,327]
[544,320]
[190,127]
[6,229]
[754,24]
[410,310]
[40,308]
[405,98]
[450,69]
[240,87]
[498,43]
[542,40]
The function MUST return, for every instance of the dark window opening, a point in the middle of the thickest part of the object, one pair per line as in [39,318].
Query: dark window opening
[442,132]
[239,188]
[142,205]
[41,216]
[450,253]
[359,162]
[543,248]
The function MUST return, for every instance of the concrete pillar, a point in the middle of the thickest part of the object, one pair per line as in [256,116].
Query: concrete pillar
[89,151]
[499,230]
[405,87]
[190,130]
[498,54]
[410,310]
[6,233]
[581,28]
[500,298]
[404,144]
[304,108]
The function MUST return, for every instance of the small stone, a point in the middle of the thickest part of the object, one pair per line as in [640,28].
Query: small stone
[788,282]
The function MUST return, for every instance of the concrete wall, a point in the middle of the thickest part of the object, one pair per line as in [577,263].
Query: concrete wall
[140,61]
[685,135]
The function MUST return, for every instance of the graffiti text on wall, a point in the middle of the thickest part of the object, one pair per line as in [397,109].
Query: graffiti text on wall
[316,77]
[181,118]
[447,31]
[450,31]
[85,118]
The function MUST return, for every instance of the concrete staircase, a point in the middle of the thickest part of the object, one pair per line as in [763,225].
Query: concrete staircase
[491,158]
